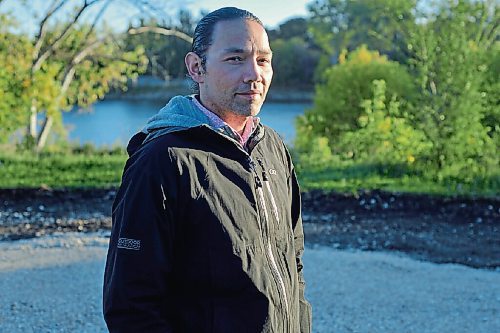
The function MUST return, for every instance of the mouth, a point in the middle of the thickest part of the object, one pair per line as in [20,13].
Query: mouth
[250,94]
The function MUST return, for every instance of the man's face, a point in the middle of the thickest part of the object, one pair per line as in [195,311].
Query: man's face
[238,68]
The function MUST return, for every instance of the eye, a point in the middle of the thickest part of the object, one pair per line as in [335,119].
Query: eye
[265,60]
[234,59]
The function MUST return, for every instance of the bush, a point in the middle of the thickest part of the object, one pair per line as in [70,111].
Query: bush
[385,137]
[337,103]
[316,156]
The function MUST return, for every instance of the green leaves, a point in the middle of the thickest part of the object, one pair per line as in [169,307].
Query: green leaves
[451,55]
[347,24]
[338,101]
[434,119]
[293,63]
[14,81]
[385,137]
[68,64]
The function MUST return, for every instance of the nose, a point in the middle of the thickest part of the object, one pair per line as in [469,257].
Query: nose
[253,72]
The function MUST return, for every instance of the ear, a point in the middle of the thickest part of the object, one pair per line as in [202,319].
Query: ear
[194,68]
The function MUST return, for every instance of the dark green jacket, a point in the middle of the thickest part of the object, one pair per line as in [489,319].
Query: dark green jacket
[206,236]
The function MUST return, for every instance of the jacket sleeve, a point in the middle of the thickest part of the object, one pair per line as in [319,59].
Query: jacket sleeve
[137,292]
[298,233]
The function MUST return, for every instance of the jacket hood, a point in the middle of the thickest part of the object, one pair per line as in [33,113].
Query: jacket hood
[179,114]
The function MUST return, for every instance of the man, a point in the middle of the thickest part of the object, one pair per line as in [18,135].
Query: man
[207,234]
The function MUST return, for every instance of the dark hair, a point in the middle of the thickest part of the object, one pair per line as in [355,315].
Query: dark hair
[204,30]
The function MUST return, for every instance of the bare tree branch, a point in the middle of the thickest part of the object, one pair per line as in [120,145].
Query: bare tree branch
[161,31]
[107,57]
[44,133]
[97,18]
[43,24]
[39,60]
[70,71]
[68,78]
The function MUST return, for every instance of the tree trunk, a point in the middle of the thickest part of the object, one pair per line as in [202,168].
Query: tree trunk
[33,120]
[44,134]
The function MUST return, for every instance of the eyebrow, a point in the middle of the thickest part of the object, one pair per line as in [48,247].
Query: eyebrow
[241,51]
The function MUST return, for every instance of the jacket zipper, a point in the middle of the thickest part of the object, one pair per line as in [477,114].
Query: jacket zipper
[268,250]
[268,186]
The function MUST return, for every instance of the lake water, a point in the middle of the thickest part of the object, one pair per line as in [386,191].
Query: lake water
[113,122]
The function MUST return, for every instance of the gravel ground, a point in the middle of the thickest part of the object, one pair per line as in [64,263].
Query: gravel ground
[53,284]
[441,230]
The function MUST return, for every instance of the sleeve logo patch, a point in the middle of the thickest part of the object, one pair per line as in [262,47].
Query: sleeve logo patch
[129,244]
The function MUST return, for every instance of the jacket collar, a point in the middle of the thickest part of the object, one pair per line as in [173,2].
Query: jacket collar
[181,114]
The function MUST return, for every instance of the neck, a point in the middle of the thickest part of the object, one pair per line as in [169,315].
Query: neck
[236,121]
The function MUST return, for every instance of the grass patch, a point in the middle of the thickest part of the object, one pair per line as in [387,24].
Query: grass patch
[96,169]
[88,167]
[351,178]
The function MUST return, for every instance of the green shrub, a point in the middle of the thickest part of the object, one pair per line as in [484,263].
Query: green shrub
[337,103]
[316,156]
[385,138]
[454,57]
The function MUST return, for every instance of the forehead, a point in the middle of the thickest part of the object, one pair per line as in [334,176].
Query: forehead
[239,34]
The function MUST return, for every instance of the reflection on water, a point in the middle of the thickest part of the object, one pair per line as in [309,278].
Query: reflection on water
[115,121]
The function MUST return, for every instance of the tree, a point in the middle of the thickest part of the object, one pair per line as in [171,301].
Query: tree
[295,56]
[294,62]
[70,63]
[347,24]
[451,58]
[294,27]
[14,73]
[165,44]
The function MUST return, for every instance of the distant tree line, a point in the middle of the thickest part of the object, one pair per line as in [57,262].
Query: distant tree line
[295,53]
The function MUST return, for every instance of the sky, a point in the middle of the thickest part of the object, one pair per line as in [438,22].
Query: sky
[118,14]
[270,12]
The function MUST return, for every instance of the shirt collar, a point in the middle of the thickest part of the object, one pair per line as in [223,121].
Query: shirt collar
[219,124]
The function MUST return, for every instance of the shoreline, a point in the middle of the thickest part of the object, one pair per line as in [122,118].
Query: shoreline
[147,88]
